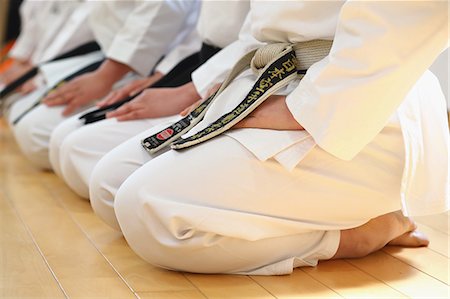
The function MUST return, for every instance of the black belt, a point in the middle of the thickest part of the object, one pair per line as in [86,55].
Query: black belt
[81,50]
[90,68]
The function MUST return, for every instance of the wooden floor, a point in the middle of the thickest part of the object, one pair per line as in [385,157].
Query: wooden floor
[53,246]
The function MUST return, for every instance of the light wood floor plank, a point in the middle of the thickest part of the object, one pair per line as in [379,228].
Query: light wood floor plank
[193,294]
[23,271]
[78,266]
[91,260]
[350,282]
[228,286]
[400,276]
[439,241]
[424,259]
[141,276]
[296,285]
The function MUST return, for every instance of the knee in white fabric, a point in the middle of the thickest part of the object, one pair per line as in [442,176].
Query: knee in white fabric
[111,171]
[102,190]
[69,151]
[156,228]
[173,216]
[56,139]
[33,142]
[150,237]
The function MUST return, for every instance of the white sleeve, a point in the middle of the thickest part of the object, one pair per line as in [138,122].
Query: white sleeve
[190,45]
[217,67]
[380,50]
[28,37]
[148,32]
[73,33]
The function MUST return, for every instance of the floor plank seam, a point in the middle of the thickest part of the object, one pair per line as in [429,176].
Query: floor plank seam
[378,279]
[312,277]
[62,204]
[437,252]
[60,196]
[195,286]
[273,295]
[30,234]
[412,266]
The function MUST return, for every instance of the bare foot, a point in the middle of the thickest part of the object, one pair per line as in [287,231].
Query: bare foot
[411,237]
[389,229]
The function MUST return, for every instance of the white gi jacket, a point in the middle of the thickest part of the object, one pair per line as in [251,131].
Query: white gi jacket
[380,50]
[50,28]
[220,21]
[188,46]
[139,33]
[215,29]
[218,25]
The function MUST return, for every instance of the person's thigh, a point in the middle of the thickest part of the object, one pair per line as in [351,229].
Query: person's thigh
[59,134]
[115,166]
[321,189]
[219,190]
[84,147]
[32,133]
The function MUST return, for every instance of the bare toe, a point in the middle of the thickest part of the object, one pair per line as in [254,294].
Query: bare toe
[411,239]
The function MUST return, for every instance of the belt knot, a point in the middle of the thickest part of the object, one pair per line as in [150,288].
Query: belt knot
[265,55]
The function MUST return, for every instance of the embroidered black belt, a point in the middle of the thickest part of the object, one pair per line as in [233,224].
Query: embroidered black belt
[275,64]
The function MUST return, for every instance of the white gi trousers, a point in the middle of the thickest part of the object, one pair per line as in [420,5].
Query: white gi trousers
[217,208]
[75,148]
[251,201]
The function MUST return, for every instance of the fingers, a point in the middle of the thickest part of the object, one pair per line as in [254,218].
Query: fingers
[248,122]
[124,109]
[129,111]
[134,91]
[190,108]
[185,111]
[132,115]
[128,90]
[28,87]
[134,87]
[61,95]
[138,89]
[72,106]
[111,98]
[60,90]
[61,99]
[213,89]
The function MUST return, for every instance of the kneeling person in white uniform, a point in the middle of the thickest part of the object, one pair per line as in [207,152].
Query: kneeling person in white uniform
[75,148]
[318,171]
[133,35]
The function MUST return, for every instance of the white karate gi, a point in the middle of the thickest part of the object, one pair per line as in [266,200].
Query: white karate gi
[73,154]
[135,33]
[256,201]
[50,28]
